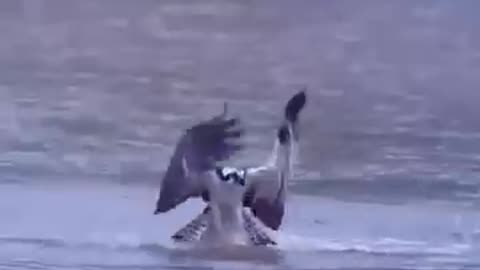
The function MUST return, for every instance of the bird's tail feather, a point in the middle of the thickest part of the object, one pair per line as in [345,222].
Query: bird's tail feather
[256,231]
[193,231]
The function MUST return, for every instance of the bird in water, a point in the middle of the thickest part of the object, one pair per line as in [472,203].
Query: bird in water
[243,204]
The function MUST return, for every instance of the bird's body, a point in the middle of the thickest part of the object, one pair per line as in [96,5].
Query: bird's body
[242,205]
[226,220]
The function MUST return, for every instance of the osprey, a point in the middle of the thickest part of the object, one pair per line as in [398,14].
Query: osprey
[242,204]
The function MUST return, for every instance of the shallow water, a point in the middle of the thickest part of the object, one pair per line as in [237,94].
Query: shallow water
[111,226]
[93,96]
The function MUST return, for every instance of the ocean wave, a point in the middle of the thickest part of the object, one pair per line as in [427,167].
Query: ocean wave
[120,242]
[287,243]
[382,247]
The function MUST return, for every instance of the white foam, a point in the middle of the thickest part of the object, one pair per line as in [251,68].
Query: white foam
[291,242]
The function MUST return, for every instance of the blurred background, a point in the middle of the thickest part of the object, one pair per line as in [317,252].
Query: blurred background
[96,93]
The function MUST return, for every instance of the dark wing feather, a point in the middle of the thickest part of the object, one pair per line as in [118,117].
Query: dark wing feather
[198,150]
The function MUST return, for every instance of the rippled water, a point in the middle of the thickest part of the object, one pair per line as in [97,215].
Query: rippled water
[93,95]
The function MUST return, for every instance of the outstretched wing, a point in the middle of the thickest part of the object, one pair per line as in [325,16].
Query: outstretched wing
[194,229]
[197,151]
[266,194]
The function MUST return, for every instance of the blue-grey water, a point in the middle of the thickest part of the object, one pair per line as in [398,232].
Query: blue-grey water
[94,94]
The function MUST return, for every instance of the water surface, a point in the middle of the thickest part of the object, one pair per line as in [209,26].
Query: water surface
[94,95]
